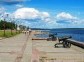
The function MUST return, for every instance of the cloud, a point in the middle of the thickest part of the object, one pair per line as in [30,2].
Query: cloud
[2,10]
[2,13]
[26,13]
[66,20]
[45,14]
[39,19]
[29,17]
[64,17]
[34,17]
[30,14]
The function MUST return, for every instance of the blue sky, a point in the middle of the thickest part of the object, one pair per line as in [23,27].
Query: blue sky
[46,13]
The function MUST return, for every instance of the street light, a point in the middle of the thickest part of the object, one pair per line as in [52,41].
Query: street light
[13,20]
[4,23]
[15,25]
[11,28]
[19,23]
[16,28]
[12,23]
[4,27]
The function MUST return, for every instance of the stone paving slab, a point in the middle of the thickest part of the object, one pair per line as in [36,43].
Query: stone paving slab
[27,54]
[7,57]
[22,49]
[51,54]
[11,48]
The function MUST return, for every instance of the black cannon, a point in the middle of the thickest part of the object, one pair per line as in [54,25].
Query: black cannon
[52,37]
[64,41]
[64,38]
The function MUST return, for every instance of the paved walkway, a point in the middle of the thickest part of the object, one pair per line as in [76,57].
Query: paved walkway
[22,49]
[47,53]
[12,49]
[50,54]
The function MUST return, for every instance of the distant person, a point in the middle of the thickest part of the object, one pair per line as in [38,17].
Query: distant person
[29,31]
[25,32]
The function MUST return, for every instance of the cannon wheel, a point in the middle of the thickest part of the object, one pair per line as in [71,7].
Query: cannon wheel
[55,45]
[69,45]
[66,44]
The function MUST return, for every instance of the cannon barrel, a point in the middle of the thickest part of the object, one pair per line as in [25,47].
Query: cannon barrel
[64,38]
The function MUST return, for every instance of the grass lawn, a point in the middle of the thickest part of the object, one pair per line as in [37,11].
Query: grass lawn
[8,33]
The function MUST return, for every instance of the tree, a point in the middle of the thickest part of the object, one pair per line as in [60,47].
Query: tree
[7,25]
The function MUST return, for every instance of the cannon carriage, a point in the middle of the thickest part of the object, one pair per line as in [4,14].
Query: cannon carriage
[64,41]
[52,37]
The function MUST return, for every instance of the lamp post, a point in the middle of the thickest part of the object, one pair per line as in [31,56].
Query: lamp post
[11,28]
[12,20]
[16,27]
[4,24]
[4,27]
[15,24]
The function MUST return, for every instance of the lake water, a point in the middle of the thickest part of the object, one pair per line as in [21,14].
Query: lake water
[77,34]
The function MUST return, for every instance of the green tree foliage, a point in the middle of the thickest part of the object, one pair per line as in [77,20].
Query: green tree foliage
[22,27]
[8,25]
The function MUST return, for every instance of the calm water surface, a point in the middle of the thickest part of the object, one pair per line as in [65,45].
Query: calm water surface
[77,34]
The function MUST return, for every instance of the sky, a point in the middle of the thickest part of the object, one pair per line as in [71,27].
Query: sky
[44,13]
